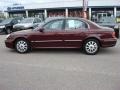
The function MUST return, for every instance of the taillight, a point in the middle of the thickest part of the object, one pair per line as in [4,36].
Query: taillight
[113,35]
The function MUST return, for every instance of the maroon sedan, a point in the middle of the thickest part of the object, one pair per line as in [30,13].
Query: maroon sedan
[63,33]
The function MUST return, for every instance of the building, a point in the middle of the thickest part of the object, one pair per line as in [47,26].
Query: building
[96,9]
[1,14]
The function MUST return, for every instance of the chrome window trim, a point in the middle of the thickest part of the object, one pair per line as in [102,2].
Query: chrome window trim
[57,41]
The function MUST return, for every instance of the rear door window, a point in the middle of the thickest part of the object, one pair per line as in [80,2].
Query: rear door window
[75,24]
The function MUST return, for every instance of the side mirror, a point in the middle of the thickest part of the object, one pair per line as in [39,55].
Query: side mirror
[41,29]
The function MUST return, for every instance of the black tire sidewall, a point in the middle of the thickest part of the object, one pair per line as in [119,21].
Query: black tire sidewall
[7,31]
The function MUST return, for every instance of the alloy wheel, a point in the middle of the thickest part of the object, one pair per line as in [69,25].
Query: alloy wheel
[91,46]
[22,46]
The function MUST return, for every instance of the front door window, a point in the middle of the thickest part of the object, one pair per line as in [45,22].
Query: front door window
[56,25]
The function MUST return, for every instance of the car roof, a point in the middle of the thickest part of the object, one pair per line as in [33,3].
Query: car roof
[55,18]
[64,18]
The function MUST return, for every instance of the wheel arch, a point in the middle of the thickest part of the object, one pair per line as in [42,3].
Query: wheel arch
[18,39]
[92,38]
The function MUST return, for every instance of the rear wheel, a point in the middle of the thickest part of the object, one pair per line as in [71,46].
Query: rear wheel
[22,46]
[91,46]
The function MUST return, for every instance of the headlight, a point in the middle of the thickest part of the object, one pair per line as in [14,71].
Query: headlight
[7,36]
[2,26]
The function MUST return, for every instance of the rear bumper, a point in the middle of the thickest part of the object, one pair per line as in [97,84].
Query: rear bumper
[109,42]
[117,30]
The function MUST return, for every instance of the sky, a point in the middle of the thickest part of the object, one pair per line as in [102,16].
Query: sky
[6,3]
[10,2]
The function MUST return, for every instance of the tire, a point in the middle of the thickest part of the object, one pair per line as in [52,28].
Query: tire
[22,46]
[91,46]
[8,31]
[118,33]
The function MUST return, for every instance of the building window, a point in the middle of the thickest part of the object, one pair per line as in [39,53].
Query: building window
[98,13]
[56,13]
[75,13]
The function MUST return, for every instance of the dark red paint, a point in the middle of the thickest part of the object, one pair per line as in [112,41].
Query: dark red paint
[65,39]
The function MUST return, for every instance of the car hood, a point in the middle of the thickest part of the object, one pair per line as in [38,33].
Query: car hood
[3,24]
[24,32]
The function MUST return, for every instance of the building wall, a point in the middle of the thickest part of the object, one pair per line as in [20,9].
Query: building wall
[72,3]
[96,9]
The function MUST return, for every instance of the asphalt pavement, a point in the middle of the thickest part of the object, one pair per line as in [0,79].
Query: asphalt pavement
[59,69]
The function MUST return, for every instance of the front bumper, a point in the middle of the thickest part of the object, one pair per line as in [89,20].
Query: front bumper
[9,43]
[1,30]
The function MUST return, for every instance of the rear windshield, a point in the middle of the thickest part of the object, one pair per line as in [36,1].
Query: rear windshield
[95,24]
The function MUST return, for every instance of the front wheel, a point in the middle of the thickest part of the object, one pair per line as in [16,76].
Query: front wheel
[91,46]
[22,46]
[8,31]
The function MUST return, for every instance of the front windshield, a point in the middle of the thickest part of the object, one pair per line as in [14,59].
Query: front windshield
[27,20]
[7,21]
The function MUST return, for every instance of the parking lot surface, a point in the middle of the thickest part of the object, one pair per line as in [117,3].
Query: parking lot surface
[56,69]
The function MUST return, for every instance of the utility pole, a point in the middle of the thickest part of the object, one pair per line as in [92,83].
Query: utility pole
[85,4]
